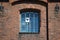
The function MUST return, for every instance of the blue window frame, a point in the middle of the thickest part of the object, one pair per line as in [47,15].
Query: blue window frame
[29,22]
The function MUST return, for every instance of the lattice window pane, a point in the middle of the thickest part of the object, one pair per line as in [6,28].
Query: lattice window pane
[29,22]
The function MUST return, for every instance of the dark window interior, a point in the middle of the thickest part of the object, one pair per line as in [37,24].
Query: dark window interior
[4,0]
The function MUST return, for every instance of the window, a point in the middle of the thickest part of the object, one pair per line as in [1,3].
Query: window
[29,22]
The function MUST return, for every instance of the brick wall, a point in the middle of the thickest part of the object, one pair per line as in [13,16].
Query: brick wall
[54,22]
[9,24]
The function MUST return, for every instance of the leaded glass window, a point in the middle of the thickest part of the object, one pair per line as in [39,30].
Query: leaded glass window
[29,22]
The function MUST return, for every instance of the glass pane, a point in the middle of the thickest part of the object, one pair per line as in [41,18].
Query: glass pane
[36,22]
[23,24]
[31,23]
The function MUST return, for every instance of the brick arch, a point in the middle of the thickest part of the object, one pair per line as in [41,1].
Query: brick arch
[30,2]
